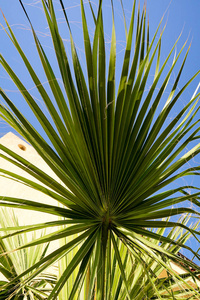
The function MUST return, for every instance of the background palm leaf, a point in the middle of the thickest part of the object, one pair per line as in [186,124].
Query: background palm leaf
[13,263]
[113,157]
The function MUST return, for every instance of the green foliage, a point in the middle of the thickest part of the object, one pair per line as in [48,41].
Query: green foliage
[13,263]
[114,159]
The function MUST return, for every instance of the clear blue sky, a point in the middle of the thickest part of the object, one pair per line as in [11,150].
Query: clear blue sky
[180,16]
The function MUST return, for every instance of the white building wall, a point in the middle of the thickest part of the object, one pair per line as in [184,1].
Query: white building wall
[11,188]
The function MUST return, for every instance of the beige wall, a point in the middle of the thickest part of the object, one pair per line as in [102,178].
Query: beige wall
[11,188]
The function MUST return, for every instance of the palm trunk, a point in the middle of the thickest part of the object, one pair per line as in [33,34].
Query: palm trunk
[104,240]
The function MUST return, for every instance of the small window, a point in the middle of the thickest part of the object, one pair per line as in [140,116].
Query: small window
[22,147]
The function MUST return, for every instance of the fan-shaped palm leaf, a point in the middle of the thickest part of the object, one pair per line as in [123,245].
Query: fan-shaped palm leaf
[110,151]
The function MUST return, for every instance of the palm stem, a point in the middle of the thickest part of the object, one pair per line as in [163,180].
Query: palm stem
[104,240]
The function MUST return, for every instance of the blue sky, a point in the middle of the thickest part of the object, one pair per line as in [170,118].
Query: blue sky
[179,16]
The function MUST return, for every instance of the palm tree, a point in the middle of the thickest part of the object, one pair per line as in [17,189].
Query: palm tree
[114,159]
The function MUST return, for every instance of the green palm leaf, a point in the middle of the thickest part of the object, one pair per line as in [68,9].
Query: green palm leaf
[13,263]
[112,153]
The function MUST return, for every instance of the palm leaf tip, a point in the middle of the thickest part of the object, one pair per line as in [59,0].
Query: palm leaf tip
[114,158]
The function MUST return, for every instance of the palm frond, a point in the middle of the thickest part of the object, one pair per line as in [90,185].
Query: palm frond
[13,263]
[112,153]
